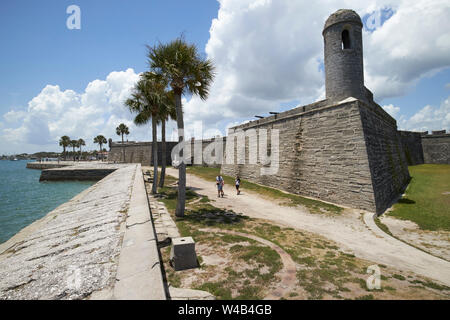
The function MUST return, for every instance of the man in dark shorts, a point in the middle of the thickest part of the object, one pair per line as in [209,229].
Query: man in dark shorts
[238,183]
[219,183]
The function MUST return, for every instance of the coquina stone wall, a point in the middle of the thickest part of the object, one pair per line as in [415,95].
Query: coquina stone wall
[322,154]
[139,152]
[436,147]
[412,146]
[347,153]
[388,165]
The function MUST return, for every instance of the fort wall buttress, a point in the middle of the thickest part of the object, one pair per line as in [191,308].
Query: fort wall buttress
[322,154]
[386,154]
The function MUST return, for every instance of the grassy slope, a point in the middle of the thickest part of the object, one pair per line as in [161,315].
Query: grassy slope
[425,202]
[291,199]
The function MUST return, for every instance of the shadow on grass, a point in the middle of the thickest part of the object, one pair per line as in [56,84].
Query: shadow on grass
[406,201]
[213,217]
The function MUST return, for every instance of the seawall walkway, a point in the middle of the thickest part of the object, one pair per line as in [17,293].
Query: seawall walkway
[99,245]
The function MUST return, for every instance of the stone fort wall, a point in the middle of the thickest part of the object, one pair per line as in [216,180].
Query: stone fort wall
[422,147]
[141,152]
[412,146]
[347,153]
[436,147]
[138,152]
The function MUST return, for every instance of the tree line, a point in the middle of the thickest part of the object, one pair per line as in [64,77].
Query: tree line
[66,141]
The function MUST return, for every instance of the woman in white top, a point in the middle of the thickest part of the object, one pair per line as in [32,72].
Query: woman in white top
[238,183]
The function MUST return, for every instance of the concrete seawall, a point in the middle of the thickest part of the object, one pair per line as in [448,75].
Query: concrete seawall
[89,247]
[49,164]
[83,171]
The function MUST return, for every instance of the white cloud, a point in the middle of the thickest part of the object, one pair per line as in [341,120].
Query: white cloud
[392,110]
[429,118]
[55,112]
[14,116]
[412,44]
[269,52]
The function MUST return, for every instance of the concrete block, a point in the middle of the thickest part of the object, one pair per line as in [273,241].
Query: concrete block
[183,254]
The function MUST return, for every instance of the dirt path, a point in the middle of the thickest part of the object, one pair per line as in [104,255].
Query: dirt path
[347,229]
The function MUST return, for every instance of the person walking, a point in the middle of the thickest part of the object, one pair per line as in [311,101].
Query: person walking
[238,183]
[219,183]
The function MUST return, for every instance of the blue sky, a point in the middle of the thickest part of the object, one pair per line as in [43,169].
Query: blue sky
[38,49]
[268,57]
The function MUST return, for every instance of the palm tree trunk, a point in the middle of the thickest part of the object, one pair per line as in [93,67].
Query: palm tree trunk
[163,153]
[100,154]
[155,157]
[64,151]
[123,151]
[181,199]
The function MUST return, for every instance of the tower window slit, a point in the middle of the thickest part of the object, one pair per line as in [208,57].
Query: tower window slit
[345,40]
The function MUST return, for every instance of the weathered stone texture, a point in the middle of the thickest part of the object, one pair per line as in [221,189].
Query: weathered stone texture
[139,152]
[412,146]
[322,155]
[387,160]
[436,148]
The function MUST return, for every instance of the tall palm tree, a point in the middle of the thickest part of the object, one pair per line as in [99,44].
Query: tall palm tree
[167,112]
[121,130]
[187,73]
[73,144]
[64,142]
[81,142]
[100,140]
[146,99]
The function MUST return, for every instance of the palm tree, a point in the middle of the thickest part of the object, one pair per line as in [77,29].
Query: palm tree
[100,140]
[186,72]
[64,142]
[80,143]
[73,144]
[121,130]
[146,100]
[166,113]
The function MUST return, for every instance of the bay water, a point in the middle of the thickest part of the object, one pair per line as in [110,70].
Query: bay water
[23,199]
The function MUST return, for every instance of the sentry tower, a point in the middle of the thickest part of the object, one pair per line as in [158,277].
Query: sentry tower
[344,71]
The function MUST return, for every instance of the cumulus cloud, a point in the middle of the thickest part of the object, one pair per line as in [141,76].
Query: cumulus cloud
[267,54]
[55,112]
[412,44]
[14,116]
[270,52]
[392,110]
[429,118]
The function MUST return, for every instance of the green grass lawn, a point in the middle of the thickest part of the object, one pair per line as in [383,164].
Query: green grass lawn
[427,199]
[315,206]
